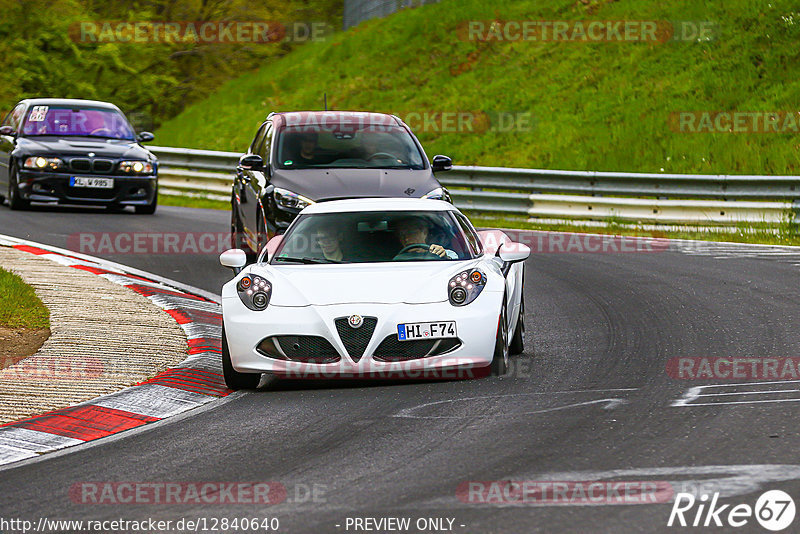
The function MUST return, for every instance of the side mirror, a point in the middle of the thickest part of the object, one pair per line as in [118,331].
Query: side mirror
[234,258]
[252,162]
[145,137]
[513,252]
[441,163]
[7,130]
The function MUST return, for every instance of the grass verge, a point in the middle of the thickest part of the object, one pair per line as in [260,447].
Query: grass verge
[19,305]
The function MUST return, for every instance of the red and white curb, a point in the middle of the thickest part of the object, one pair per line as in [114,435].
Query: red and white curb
[194,382]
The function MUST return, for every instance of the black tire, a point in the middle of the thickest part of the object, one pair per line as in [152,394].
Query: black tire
[500,359]
[237,231]
[15,202]
[150,208]
[234,379]
[518,341]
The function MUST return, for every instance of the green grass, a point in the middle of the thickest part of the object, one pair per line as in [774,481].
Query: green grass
[597,106]
[19,305]
[191,202]
[784,234]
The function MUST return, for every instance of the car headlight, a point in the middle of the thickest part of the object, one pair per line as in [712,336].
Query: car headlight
[136,167]
[465,287]
[42,163]
[287,199]
[440,193]
[254,292]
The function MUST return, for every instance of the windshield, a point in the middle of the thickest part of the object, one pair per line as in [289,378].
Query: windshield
[82,121]
[348,145]
[368,237]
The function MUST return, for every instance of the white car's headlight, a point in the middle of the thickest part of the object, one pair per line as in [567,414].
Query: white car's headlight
[41,163]
[288,199]
[465,287]
[254,292]
[135,167]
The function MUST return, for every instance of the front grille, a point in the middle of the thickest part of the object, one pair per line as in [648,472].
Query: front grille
[307,349]
[392,349]
[80,164]
[355,340]
[102,165]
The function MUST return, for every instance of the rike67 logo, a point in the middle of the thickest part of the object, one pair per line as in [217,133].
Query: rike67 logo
[774,510]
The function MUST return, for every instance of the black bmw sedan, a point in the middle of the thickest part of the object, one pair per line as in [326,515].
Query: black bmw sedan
[75,152]
[298,158]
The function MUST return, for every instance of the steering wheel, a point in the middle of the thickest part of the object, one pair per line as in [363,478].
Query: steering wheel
[385,155]
[408,248]
[98,130]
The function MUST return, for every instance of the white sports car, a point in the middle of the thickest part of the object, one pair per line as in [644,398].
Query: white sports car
[374,288]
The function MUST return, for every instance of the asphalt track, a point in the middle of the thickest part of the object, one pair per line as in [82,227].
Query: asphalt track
[592,401]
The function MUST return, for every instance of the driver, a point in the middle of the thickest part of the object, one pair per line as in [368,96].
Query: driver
[414,231]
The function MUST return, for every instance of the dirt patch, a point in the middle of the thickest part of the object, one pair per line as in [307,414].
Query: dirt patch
[18,343]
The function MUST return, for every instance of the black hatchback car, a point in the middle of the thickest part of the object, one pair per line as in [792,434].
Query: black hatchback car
[298,158]
[75,152]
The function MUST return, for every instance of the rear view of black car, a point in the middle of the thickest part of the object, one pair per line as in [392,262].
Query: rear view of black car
[298,158]
[75,152]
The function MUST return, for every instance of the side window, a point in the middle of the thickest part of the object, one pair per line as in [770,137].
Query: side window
[265,149]
[258,141]
[472,237]
[14,118]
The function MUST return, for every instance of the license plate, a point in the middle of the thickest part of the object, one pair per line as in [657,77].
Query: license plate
[434,330]
[85,181]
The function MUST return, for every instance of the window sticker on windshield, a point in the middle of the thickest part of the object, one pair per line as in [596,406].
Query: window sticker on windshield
[288,162]
[38,113]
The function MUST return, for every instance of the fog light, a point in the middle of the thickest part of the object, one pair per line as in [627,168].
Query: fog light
[458,295]
[260,300]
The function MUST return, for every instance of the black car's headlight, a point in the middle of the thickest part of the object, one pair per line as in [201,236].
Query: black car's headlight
[254,292]
[42,163]
[465,287]
[440,193]
[288,199]
[135,167]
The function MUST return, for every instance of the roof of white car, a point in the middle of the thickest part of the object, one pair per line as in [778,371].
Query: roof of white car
[380,204]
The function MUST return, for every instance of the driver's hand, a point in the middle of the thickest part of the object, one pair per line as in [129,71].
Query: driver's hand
[438,250]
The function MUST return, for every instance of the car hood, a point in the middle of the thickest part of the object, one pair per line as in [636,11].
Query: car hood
[331,184]
[81,146]
[389,283]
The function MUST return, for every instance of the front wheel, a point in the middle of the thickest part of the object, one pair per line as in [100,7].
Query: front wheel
[15,201]
[518,341]
[149,209]
[234,379]
[500,358]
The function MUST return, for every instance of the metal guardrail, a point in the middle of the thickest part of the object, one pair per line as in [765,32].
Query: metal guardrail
[357,11]
[553,194]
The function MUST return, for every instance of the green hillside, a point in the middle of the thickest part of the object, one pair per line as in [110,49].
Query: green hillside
[595,105]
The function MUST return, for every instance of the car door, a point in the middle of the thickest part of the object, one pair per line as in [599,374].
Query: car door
[7,144]
[247,204]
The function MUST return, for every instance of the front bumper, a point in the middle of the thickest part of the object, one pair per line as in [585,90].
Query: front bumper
[54,187]
[476,328]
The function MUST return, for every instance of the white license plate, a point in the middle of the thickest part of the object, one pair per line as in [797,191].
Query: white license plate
[85,181]
[434,330]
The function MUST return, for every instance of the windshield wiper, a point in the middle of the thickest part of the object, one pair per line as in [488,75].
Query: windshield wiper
[305,260]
